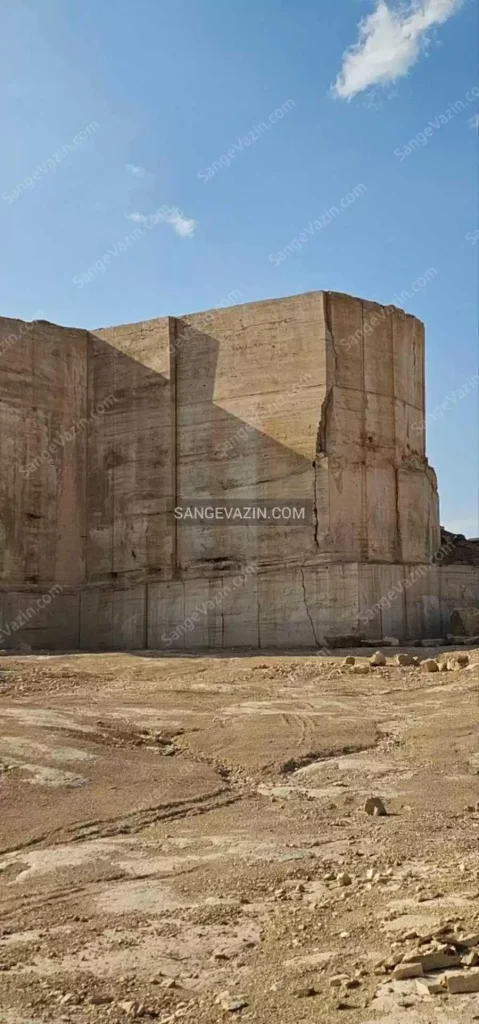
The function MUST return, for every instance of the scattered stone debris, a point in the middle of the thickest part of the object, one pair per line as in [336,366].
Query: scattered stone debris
[350,660]
[459,983]
[94,1000]
[338,980]
[403,971]
[128,1006]
[426,987]
[435,969]
[360,670]
[435,961]
[377,659]
[306,992]
[232,1003]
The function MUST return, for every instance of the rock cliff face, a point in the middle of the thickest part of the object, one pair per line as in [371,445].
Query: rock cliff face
[459,549]
[317,398]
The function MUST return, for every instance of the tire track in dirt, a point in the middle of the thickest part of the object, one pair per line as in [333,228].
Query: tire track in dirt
[135,821]
[11,906]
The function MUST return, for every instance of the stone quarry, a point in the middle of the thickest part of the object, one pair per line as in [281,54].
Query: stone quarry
[316,399]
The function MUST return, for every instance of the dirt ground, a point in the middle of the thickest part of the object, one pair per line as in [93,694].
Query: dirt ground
[185,839]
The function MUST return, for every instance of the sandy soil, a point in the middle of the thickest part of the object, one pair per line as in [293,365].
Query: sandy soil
[184,838]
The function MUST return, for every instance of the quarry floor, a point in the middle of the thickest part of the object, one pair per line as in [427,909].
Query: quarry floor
[172,829]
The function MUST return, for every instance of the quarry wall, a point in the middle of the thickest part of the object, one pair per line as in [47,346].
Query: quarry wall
[316,397]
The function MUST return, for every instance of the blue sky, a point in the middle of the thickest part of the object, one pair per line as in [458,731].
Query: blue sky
[113,113]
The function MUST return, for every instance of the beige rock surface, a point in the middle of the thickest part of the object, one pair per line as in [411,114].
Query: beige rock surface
[104,433]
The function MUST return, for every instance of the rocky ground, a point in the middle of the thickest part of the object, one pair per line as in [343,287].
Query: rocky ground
[186,839]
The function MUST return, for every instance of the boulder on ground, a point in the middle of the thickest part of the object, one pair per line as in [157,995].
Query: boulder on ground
[375,806]
[462,983]
[429,665]
[404,659]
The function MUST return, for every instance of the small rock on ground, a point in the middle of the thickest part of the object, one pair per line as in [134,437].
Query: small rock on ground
[377,659]
[232,1003]
[375,806]
[404,659]
[429,665]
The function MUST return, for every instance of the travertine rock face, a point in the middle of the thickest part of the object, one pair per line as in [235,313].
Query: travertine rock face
[317,397]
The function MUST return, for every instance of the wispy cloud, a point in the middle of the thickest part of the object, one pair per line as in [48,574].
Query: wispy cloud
[138,172]
[138,218]
[185,227]
[474,121]
[390,42]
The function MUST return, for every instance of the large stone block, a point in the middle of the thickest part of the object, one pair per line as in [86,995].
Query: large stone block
[317,398]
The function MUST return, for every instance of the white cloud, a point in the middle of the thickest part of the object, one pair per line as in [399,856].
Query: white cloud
[138,218]
[185,227]
[389,44]
[474,121]
[138,172]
